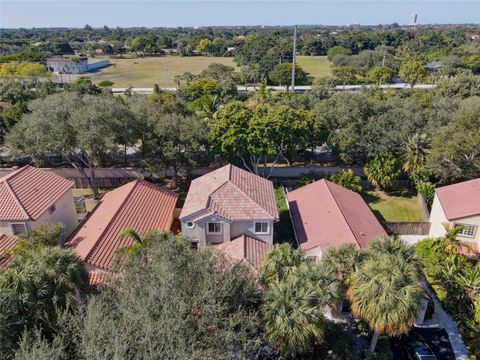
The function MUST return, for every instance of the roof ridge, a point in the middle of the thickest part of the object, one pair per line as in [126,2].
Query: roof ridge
[16,199]
[109,224]
[14,173]
[340,209]
[243,192]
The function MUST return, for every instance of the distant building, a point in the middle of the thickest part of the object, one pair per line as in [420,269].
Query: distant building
[81,65]
[474,37]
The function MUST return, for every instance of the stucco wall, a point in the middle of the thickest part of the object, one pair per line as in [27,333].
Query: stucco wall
[64,214]
[315,252]
[248,228]
[438,219]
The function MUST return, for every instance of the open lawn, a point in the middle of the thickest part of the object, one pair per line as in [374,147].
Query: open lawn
[145,72]
[394,206]
[161,70]
[316,66]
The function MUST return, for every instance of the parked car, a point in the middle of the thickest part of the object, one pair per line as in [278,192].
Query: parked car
[417,348]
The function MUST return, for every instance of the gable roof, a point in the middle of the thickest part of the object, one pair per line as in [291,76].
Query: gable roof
[460,200]
[325,214]
[232,194]
[28,192]
[7,242]
[139,204]
[246,248]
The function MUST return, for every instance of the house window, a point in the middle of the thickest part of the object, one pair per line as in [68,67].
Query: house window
[214,228]
[18,229]
[262,228]
[52,209]
[467,231]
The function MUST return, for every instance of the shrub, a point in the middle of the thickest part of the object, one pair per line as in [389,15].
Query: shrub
[427,190]
[105,83]
[347,180]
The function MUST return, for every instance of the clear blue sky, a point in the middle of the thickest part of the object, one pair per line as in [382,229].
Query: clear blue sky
[125,13]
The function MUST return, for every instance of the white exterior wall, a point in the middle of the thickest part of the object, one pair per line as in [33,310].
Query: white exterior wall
[64,214]
[248,228]
[438,219]
[314,252]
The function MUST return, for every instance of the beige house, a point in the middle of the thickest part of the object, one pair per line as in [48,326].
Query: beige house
[30,197]
[458,205]
[227,203]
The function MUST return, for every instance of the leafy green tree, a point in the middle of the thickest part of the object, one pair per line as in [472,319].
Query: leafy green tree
[205,46]
[82,130]
[382,170]
[379,75]
[344,75]
[417,147]
[413,71]
[280,263]
[385,291]
[160,309]
[83,86]
[281,74]
[347,180]
[173,141]
[37,284]
[455,153]
[337,50]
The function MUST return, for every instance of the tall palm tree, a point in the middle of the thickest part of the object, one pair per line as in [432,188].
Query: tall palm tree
[341,260]
[292,316]
[416,151]
[280,262]
[385,291]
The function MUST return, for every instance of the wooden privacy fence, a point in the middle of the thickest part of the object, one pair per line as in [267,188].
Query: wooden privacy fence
[407,228]
[423,207]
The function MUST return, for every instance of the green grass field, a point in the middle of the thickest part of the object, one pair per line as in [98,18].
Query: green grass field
[316,66]
[145,72]
[393,206]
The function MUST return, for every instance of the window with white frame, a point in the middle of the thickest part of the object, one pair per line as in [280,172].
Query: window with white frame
[467,230]
[18,229]
[262,227]
[214,228]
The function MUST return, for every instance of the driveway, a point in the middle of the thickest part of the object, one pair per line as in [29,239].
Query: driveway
[436,338]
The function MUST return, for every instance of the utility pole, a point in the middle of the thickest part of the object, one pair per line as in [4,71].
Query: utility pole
[293,57]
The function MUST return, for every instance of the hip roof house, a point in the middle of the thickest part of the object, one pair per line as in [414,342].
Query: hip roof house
[326,215]
[139,205]
[458,205]
[30,197]
[227,203]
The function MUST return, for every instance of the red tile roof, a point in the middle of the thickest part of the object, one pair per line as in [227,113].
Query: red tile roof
[7,242]
[460,200]
[139,204]
[28,192]
[325,214]
[231,193]
[245,248]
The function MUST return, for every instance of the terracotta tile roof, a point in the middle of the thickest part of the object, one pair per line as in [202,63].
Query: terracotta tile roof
[460,200]
[7,242]
[245,248]
[325,214]
[28,192]
[138,204]
[231,193]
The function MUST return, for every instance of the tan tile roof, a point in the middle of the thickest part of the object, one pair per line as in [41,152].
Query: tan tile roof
[325,214]
[460,200]
[7,242]
[231,193]
[139,204]
[28,192]
[245,248]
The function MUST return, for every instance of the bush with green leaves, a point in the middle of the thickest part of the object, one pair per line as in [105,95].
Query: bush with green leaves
[348,180]
[382,170]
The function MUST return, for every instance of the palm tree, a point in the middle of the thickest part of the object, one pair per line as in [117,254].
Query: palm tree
[449,244]
[292,316]
[385,291]
[341,260]
[280,262]
[209,105]
[469,279]
[416,151]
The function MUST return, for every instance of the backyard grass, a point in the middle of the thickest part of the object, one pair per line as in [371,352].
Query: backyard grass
[283,229]
[161,70]
[316,66]
[145,72]
[394,207]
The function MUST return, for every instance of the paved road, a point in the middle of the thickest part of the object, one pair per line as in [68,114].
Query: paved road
[435,337]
